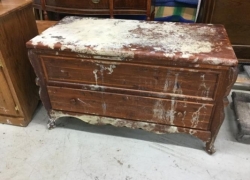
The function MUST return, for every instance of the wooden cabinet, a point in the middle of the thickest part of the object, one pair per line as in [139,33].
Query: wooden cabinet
[96,7]
[18,92]
[160,77]
[234,15]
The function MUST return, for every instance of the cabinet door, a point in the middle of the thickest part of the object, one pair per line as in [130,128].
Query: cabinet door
[7,104]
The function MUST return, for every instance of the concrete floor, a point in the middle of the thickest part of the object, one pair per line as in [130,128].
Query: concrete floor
[76,150]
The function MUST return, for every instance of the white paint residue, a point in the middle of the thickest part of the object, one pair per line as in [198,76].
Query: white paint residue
[109,37]
[177,89]
[192,132]
[86,104]
[184,115]
[204,87]
[171,113]
[173,129]
[165,89]
[110,69]
[161,113]
[196,116]
[116,122]
[159,110]
[96,77]
[3,108]
[104,107]
[8,121]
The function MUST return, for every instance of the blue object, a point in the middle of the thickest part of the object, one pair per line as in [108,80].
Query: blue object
[176,3]
[194,2]
[174,18]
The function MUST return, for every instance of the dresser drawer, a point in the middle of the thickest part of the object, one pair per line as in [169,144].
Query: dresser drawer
[181,81]
[85,4]
[130,4]
[162,111]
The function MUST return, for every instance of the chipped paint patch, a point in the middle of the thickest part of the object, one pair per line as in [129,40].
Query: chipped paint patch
[96,77]
[82,35]
[160,112]
[196,116]
[206,90]
[116,122]
[8,121]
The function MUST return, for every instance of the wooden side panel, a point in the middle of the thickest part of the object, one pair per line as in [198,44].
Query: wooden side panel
[182,81]
[162,111]
[7,104]
[16,28]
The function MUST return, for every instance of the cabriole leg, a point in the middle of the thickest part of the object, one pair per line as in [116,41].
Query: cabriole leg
[210,147]
[51,123]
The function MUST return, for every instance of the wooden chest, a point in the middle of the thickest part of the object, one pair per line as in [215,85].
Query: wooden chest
[160,77]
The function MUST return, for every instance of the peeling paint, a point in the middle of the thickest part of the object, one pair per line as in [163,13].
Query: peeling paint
[206,90]
[175,83]
[161,113]
[8,121]
[116,122]
[196,116]
[104,107]
[96,77]
[82,35]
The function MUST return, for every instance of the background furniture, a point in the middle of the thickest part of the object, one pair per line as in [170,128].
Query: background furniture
[136,79]
[95,7]
[241,107]
[234,15]
[18,92]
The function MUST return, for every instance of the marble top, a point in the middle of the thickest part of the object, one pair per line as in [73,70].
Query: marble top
[196,43]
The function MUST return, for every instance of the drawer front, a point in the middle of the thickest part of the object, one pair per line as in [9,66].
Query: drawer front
[162,111]
[183,81]
[130,4]
[86,4]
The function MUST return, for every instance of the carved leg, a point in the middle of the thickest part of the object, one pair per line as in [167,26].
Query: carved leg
[51,123]
[210,147]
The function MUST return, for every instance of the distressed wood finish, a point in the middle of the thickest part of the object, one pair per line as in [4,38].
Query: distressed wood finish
[18,92]
[96,7]
[143,78]
[234,15]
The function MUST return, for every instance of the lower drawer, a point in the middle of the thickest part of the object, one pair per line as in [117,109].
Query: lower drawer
[160,111]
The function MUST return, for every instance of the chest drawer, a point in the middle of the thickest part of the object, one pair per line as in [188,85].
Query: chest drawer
[130,4]
[162,111]
[173,80]
[85,4]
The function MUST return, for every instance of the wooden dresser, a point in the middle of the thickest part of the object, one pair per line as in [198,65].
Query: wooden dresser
[96,7]
[234,15]
[160,77]
[18,92]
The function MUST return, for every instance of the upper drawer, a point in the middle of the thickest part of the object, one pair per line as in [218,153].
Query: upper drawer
[86,4]
[130,4]
[126,75]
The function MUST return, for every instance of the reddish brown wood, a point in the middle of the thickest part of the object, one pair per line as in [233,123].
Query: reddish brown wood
[152,87]
[170,112]
[19,94]
[146,77]
[96,7]
[234,15]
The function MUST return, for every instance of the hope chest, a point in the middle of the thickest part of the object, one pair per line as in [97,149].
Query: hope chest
[157,76]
